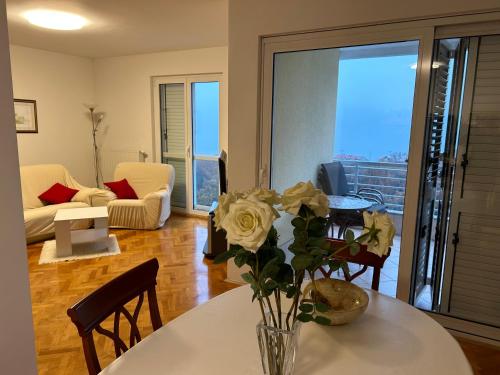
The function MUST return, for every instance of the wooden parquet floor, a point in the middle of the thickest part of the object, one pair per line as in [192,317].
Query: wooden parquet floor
[185,279]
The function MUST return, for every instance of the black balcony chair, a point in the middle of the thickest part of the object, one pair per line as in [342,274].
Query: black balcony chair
[333,181]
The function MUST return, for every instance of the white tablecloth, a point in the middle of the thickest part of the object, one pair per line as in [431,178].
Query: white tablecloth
[219,337]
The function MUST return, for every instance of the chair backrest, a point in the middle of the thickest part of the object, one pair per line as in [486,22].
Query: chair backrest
[222,172]
[90,312]
[146,178]
[364,258]
[332,179]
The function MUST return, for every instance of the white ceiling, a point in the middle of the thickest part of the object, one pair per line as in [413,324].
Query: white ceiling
[124,27]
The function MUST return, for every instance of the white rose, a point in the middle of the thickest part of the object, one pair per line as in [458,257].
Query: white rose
[268,196]
[383,222]
[224,202]
[247,223]
[304,193]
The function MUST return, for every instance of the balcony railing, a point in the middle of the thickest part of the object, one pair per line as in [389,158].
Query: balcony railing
[388,178]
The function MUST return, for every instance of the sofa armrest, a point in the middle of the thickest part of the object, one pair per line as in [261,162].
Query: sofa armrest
[94,197]
[158,207]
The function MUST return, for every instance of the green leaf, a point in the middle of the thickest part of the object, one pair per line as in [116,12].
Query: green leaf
[317,226]
[349,235]
[267,292]
[291,291]
[270,269]
[301,262]
[327,246]
[248,278]
[280,254]
[322,320]
[271,284]
[225,256]
[299,223]
[318,251]
[321,307]
[306,307]
[285,274]
[303,317]
[335,265]
[315,241]
[297,247]
[300,234]
[354,248]
[240,259]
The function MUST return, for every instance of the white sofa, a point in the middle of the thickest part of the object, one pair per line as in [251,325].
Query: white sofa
[39,218]
[153,184]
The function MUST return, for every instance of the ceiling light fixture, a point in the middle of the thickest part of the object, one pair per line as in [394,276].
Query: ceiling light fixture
[55,19]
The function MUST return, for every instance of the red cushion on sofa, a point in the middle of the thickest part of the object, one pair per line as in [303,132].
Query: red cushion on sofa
[57,193]
[122,189]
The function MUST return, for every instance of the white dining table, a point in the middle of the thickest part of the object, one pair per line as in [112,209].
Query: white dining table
[219,337]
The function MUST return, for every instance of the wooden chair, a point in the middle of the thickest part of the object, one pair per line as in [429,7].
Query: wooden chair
[364,258]
[90,312]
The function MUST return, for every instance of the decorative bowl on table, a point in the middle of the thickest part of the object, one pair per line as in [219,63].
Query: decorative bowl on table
[346,300]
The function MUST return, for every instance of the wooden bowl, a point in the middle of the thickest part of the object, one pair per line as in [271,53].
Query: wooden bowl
[347,301]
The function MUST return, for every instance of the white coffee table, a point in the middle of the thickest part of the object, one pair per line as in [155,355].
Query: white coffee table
[94,239]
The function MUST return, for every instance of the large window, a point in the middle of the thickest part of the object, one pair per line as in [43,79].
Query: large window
[187,137]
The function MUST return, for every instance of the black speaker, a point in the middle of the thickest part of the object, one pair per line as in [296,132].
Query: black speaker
[216,241]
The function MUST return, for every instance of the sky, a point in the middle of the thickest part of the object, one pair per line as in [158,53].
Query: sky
[205,103]
[374,106]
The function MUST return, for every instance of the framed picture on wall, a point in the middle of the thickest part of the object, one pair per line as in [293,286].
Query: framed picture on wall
[26,120]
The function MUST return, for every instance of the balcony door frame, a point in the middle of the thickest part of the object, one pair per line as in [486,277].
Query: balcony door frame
[354,37]
[188,155]
[426,31]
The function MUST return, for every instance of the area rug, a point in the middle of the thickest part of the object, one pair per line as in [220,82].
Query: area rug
[48,254]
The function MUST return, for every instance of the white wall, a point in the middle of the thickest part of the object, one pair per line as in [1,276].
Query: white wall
[250,20]
[124,93]
[17,347]
[61,85]
[305,101]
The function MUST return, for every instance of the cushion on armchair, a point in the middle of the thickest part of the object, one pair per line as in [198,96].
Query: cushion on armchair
[122,189]
[153,184]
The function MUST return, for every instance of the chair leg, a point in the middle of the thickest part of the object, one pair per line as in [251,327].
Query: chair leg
[376,278]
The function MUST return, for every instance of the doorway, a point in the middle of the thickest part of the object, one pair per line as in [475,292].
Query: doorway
[351,106]
[186,128]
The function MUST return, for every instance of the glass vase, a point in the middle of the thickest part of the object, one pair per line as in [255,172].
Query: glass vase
[278,346]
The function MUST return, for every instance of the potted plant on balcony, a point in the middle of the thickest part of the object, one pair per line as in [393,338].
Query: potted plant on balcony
[248,221]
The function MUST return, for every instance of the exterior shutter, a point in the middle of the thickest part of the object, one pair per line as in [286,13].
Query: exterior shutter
[476,274]
[174,137]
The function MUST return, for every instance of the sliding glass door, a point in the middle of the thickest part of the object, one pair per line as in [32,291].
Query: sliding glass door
[186,135]
[345,114]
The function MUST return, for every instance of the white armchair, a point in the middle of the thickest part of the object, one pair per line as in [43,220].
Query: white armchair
[153,183]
